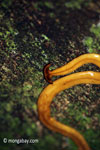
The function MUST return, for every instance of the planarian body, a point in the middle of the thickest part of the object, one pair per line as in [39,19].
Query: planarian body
[63,83]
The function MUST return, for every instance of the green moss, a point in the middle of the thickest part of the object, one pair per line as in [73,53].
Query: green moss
[49,4]
[6,3]
[93,42]
[93,138]
[8,35]
[96,30]
[76,4]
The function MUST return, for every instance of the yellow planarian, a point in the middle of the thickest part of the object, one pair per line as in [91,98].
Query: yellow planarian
[63,83]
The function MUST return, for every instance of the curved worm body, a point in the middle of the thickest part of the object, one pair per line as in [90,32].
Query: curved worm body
[71,66]
[63,83]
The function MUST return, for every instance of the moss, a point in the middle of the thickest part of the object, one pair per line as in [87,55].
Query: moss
[6,3]
[76,4]
[93,42]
